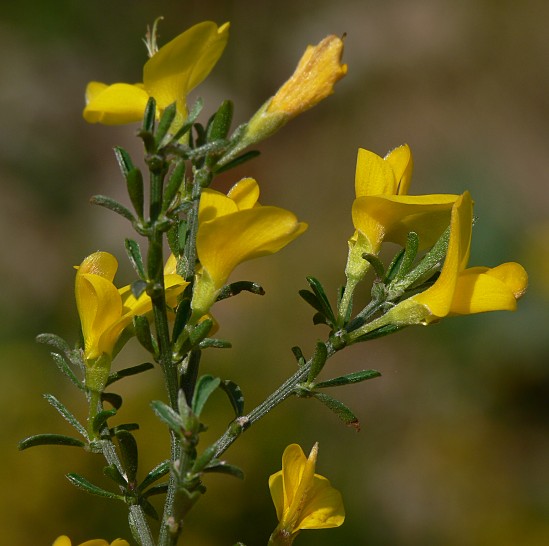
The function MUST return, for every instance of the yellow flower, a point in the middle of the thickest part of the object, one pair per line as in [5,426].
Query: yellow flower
[459,290]
[168,76]
[234,228]
[66,541]
[105,310]
[382,210]
[312,81]
[303,499]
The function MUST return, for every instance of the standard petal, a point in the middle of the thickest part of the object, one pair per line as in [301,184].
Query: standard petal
[324,506]
[115,104]
[99,263]
[245,193]
[95,542]
[374,175]
[214,204]
[402,164]
[391,217]
[184,62]
[231,239]
[294,463]
[62,541]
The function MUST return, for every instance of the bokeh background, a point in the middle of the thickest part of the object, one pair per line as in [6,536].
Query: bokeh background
[454,443]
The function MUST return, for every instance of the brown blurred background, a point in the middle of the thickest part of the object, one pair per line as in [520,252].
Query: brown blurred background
[455,441]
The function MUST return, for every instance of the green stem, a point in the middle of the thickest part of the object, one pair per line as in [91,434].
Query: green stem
[239,425]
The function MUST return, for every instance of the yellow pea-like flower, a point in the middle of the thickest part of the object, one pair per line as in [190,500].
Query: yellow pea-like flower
[66,541]
[234,228]
[459,290]
[168,76]
[302,499]
[105,310]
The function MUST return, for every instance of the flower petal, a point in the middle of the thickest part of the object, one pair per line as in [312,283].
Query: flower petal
[184,62]
[114,104]
[402,164]
[245,193]
[373,175]
[234,238]
[62,541]
[324,506]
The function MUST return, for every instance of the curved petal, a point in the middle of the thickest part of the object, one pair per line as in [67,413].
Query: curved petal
[294,464]
[95,542]
[62,541]
[374,175]
[115,104]
[479,290]
[99,307]
[324,506]
[276,487]
[402,164]
[120,542]
[99,263]
[171,265]
[245,193]
[184,62]
[391,218]
[438,298]
[214,204]
[225,242]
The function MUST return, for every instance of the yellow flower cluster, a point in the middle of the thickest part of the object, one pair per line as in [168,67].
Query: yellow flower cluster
[66,541]
[383,211]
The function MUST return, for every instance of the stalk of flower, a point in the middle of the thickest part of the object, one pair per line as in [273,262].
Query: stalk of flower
[66,541]
[168,76]
[234,228]
[303,499]
[382,211]
[458,290]
[105,311]
[318,70]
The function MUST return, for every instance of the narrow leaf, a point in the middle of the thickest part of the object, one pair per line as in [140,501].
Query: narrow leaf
[144,335]
[191,118]
[114,206]
[136,259]
[355,377]
[320,293]
[165,123]
[234,393]
[156,473]
[149,117]
[223,467]
[158,489]
[63,366]
[134,184]
[126,372]
[124,160]
[340,409]
[214,343]
[49,439]
[115,400]
[235,288]
[237,161]
[100,420]
[66,414]
[114,474]
[298,353]
[182,316]
[168,416]
[129,453]
[148,508]
[85,485]
[174,184]
[318,361]
[204,388]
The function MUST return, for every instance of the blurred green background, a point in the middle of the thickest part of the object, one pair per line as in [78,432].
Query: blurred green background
[454,443]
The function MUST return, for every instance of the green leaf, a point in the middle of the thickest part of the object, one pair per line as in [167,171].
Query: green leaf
[55,341]
[158,489]
[85,485]
[319,292]
[144,335]
[174,184]
[129,453]
[235,288]
[200,331]
[115,400]
[100,420]
[355,377]
[148,508]
[318,361]
[124,160]
[168,416]
[376,263]
[124,426]
[236,161]
[182,316]
[165,123]
[136,259]
[49,439]
[214,343]
[340,409]
[379,332]
[66,414]
[394,266]
[112,205]
[126,372]
[221,122]
[205,386]
[410,253]
[63,366]
[149,117]
[114,474]
[298,353]
[191,118]
[156,473]
[222,467]
[234,393]
[134,184]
